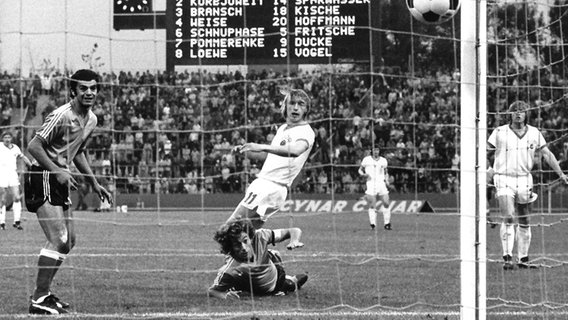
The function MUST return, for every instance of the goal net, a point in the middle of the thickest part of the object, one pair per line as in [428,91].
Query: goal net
[163,148]
[526,61]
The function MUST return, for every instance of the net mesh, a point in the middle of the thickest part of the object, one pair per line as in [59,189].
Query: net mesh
[526,62]
[162,146]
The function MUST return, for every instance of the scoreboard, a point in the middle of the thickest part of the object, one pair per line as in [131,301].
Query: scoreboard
[223,32]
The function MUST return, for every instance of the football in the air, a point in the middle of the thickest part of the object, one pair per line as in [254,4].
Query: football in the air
[433,11]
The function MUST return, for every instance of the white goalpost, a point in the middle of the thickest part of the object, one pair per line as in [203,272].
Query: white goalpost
[473,164]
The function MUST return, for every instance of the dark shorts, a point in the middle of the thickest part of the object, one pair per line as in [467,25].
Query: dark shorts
[281,283]
[40,186]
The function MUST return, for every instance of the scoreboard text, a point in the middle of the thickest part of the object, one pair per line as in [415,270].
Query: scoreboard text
[219,32]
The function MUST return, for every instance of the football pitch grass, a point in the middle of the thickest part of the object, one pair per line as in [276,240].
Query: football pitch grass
[159,264]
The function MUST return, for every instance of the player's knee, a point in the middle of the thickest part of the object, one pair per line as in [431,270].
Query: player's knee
[65,243]
[63,247]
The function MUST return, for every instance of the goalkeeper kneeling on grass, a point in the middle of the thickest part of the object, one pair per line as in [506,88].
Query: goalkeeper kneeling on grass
[251,266]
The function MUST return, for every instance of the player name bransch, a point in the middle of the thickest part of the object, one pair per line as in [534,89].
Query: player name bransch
[215,11]
[324,21]
[226,32]
[226,3]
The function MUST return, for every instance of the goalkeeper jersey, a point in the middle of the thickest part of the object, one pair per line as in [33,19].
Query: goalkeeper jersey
[261,273]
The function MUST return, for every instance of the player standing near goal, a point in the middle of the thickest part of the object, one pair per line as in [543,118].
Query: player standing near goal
[59,143]
[251,266]
[374,169]
[10,182]
[286,155]
[515,146]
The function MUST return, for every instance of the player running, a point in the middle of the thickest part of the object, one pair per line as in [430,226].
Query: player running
[374,169]
[59,143]
[286,156]
[516,145]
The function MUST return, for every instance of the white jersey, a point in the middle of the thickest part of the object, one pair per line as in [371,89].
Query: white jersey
[376,169]
[514,155]
[283,170]
[9,158]
[9,165]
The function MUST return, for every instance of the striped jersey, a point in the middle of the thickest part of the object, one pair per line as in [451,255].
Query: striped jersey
[65,133]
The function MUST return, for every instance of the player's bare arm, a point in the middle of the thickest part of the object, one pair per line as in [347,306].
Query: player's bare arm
[36,148]
[82,165]
[231,294]
[292,150]
[490,159]
[363,174]
[550,158]
[26,160]
[294,234]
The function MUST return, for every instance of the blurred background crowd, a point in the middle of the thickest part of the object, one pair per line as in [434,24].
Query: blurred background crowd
[173,132]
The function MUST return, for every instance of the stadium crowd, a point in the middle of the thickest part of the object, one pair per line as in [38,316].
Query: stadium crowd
[173,132]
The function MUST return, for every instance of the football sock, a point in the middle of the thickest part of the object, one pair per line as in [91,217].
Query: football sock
[17,207]
[48,263]
[524,236]
[57,265]
[3,215]
[372,216]
[386,215]
[507,232]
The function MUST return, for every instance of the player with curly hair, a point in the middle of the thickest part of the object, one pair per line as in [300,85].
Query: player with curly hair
[251,266]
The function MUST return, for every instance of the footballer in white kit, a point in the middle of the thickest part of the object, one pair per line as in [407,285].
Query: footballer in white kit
[374,168]
[286,155]
[10,181]
[515,146]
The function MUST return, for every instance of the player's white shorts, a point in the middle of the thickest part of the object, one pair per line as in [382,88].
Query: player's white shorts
[10,179]
[376,188]
[264,196]
[518,187]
